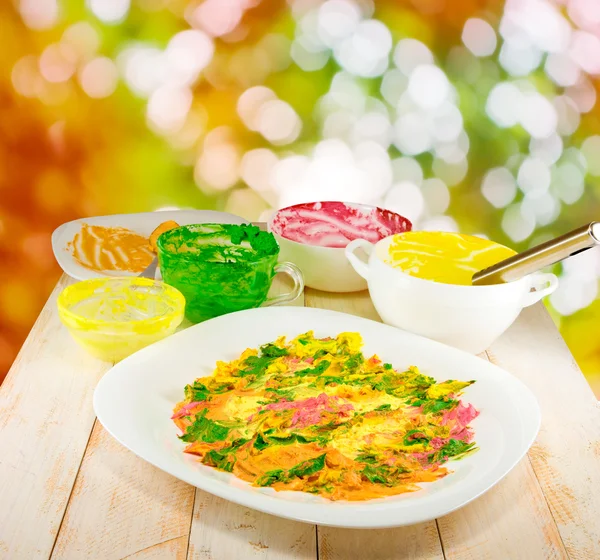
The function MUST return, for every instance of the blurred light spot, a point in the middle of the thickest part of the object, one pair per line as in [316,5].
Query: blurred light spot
[365,53]
[167,209]
[547,149]
[218,17]
[533,175]
[585,51]
[337,19]
[574,293]
[537,115]
[26,76]
[584,265]
[98,78]
[188,53]
[168,108]
[542,205]
[440,223]
[591,151]
[451,173]
[307,59]
[462,63]
[373,161]
[479,37]
[499,187]
[144,68]
[450,152]
[569,182]
[575,156]
[537,22]
[345,91]
[568,115]
[308,28]
[373,126]
[57,62]
[83,38]
[39,14]
[518,223]
[407,169]
[109,11]
[277,48]
[410,53]
[584,12]
[406,199]
[256,169]
[334,171]
[218,166]
[436,195]
[583,94]
[393,86]
[428,86]
[411,136]
[186,137]
[338,125]
[561,69]
[250,103]
[446,122]
[278,122]
[503,104]
[288,177]
[519,60]
[245,203]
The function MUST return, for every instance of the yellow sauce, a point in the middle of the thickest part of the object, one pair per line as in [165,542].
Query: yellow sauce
[450,258]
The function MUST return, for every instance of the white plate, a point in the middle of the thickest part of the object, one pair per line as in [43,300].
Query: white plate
[134,402]
[143,223]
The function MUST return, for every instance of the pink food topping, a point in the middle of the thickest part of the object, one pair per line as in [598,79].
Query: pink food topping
[459,418]
[186,410]
[335,224]
[308,411]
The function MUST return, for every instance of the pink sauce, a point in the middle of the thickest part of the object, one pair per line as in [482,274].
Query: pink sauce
[335,224]
[308,411]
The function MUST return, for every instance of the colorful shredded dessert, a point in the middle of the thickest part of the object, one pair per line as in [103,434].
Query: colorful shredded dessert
[315,415]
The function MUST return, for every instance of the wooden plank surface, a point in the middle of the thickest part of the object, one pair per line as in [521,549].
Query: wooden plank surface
[46,418]
[566,455]
[123,507]
[222,530]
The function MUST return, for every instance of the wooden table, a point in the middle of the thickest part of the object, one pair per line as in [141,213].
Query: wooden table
[68,490]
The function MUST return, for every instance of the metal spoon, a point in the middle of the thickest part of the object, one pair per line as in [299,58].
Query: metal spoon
[538,257]
[150,270]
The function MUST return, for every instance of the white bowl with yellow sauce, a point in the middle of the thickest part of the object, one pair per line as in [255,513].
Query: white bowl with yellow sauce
[420,282]
[112,318]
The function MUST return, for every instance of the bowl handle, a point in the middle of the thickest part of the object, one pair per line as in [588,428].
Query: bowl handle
[359,265]
[542,284]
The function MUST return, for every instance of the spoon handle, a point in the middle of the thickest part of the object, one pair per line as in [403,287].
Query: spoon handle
[540,256]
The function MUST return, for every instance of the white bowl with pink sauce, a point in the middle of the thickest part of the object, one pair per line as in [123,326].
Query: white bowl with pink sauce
[314,235]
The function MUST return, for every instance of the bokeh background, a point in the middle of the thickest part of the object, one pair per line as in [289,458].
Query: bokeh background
[471,115]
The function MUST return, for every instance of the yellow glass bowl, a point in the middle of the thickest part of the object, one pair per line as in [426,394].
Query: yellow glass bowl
[114,317]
